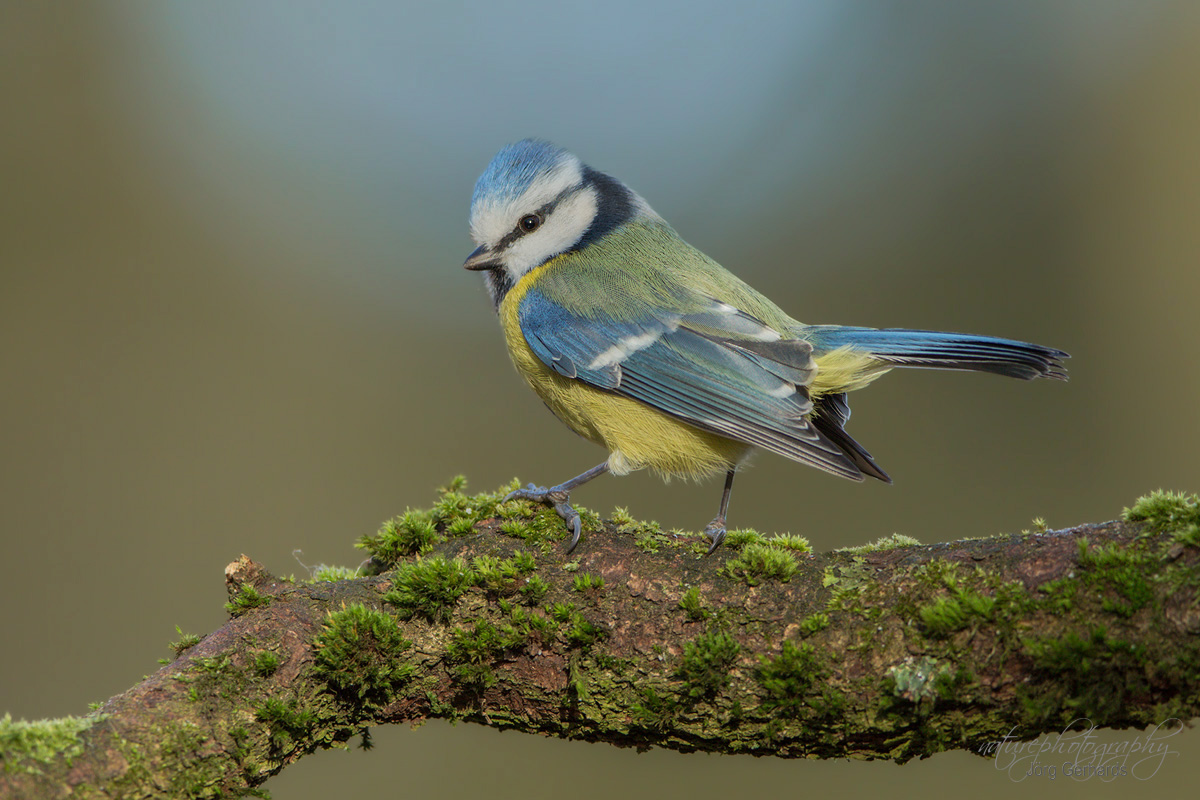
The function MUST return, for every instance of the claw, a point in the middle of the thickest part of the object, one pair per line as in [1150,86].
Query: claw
[556,497]
[715,531]
[571,517]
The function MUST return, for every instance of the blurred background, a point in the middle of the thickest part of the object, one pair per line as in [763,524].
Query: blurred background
[233,318]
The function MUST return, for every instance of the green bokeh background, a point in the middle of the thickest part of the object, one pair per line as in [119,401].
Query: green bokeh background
[232,318]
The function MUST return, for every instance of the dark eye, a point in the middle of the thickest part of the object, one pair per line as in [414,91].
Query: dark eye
[530,223]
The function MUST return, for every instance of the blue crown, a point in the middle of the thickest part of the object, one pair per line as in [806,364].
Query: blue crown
[515,168]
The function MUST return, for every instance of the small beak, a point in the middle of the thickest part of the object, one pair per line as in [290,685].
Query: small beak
[480,259]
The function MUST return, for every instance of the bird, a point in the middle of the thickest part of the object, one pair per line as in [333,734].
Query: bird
[641,343]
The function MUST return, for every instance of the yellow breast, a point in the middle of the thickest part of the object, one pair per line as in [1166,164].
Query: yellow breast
[636,435]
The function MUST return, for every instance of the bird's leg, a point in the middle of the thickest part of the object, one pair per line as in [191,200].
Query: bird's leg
[558,495]
[715,530]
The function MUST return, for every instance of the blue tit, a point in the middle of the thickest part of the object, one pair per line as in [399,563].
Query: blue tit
[641,343]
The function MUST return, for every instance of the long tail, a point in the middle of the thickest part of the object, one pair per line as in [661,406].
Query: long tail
[934,350]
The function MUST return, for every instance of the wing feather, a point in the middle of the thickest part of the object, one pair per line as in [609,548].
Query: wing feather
[718,369]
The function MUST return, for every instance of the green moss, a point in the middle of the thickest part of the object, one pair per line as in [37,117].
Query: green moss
[584,633]
[246,599]
[512,509]
[1060,593]
[693,605]
[516,528]
[611,663]
[962,600]
[951,681]
[456,484]
[523,562]
[213,678]
[746,537]
[539,524]
[884,543]
[359,653]
[621,517]
[27,746]
[789,541]
[580,632]
[647,536]
[588,582]
[740,537]
[326,572]
[706,662]
[523,528]
[265,664]
[855,575]
[656,712]
[186,642]
[589,520]
[491,573]
[409,534]
[1119,572]
[462,526]
[1175,513]
[814,623]
[201,772]
[1189,537]
[846,598]
[759,562]
[1083,675]
[828,705]
[790,680]
[429,587]
[502,576]
[936,573]
[530,623]
[648,540]
[454,514]
[242,748]
[473,651]
[213,666]
[454,506]
[533,590]
[289,724]
[561,612]
[944,616]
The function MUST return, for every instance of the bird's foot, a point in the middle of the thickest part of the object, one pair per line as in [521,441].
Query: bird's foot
[557,497]
[715,531]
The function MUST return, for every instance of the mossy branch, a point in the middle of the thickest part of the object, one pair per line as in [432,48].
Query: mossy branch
[473,612]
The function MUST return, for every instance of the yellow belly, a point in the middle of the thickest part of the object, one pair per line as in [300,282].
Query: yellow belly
[636,435]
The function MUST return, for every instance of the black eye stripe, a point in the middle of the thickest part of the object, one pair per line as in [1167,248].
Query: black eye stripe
[543,212]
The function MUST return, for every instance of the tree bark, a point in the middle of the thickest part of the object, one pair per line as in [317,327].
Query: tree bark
[638,640]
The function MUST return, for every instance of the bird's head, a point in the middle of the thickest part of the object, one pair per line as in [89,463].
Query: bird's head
[536,201]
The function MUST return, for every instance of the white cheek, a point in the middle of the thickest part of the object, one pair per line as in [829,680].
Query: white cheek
[563,229]
[490,221]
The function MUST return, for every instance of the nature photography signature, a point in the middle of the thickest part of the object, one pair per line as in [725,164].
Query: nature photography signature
[1079,754]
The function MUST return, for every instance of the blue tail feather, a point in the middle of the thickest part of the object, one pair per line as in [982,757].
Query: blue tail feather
[937,350]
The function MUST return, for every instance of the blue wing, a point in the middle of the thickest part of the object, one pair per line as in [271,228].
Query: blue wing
[716,368]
